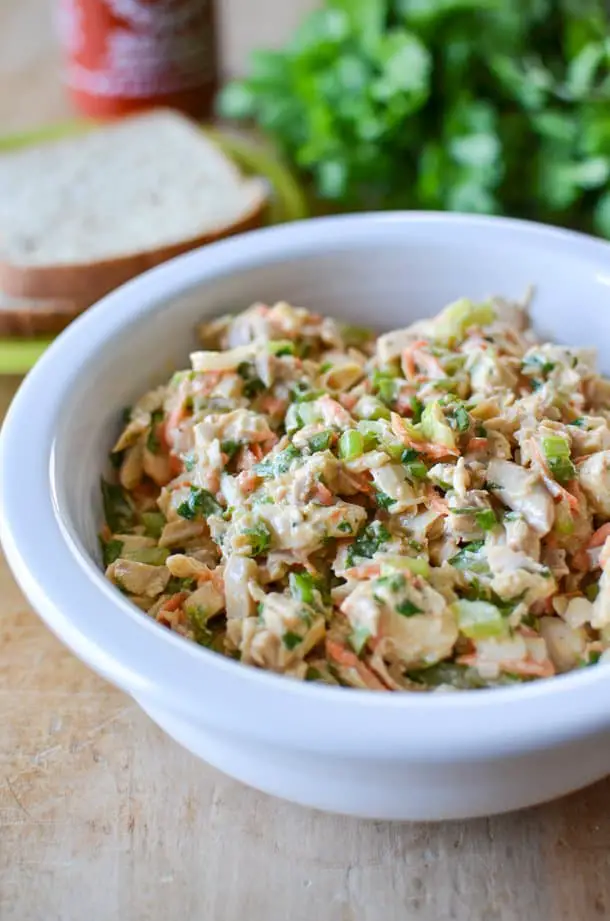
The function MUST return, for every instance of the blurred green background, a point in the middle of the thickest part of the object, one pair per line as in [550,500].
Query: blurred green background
[491,106]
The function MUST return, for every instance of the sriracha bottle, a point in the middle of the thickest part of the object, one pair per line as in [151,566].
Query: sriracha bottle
[125,55]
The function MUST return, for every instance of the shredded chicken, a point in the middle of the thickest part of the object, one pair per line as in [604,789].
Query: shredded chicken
[426,510]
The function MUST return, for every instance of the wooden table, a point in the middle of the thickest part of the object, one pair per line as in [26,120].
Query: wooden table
[103,818]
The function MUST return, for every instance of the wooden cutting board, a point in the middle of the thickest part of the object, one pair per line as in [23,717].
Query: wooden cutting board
[103,818]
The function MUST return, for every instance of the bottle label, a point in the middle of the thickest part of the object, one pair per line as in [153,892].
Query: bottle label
[137,48]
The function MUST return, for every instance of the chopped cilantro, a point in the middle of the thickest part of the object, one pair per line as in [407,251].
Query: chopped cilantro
[408,609]
[538,363]
[199,503]
[302,587]
[253,385]
[395,582]
[278,464]
[260,538]
[291,640]
[189,461]
[368,542]
[579,423]
[313,674]
[118,511]
[409,455]
[111,550]
[345,526]
[459,418]
[468,557]
[417,408]
[153,442]
[383,500]
[230,448]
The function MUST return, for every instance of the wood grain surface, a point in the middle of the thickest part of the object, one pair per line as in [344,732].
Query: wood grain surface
[103,818]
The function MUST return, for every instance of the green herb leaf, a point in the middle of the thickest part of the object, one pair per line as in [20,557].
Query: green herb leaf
[111,550]
[260,538]
[368,542]
[118,511]
[291,640]
[408,609]
[199,504]
[277,464]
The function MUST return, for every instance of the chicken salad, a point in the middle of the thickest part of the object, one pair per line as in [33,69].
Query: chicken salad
[428,509]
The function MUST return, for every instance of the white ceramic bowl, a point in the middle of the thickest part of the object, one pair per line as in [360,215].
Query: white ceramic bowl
[394,756]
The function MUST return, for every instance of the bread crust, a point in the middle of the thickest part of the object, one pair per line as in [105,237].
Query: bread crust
[87,283]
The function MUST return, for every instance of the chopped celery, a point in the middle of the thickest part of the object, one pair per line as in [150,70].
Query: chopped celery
[451,325]
[486,519]
[153,556]
[281,347]
[479,620]
[351,444]
[358,639]
[356,336]
[369,407]
[153,523]
[557,453]
[302,586]
[320,442]
[564,522]
[434,426]
[417,565]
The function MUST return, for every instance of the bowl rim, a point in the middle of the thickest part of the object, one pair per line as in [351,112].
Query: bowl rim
[155,665]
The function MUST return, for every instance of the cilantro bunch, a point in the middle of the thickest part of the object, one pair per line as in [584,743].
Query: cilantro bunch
[489,106]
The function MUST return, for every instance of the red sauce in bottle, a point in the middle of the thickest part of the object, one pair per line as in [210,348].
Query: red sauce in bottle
[125,55]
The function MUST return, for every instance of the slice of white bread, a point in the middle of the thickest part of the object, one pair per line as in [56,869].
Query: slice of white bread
[82,215]
[27,317]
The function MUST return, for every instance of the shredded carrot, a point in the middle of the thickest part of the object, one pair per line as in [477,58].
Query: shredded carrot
[175,465]
[272,405]
[599,537]
[554,487]
[424,447]
[323,494]
[348,400]
[477,444]
[368,571]
[247,481]
[145,490]
[408,358]
[174,603]
[340,654]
